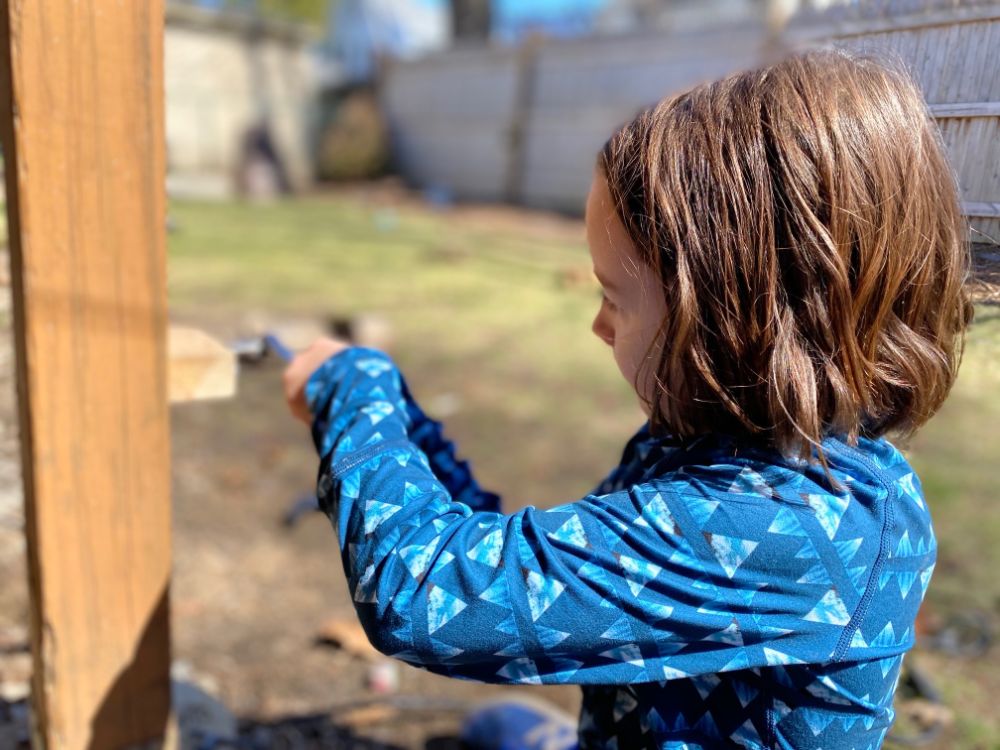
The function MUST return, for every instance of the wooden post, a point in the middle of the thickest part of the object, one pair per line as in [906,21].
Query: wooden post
[83,143]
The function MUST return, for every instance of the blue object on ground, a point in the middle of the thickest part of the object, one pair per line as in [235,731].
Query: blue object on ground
[519,723]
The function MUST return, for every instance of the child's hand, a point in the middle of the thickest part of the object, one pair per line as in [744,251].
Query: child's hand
[301,368]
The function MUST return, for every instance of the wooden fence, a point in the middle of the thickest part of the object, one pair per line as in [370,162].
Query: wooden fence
[524,125]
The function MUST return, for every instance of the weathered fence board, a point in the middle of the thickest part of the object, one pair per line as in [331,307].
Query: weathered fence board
[953,57]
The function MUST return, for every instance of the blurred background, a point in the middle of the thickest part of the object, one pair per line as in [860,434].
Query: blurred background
[411,173]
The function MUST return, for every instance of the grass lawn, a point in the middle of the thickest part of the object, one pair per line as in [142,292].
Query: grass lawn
[484,309]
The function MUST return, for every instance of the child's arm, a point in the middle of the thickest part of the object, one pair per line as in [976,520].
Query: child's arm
[428,435]
[454,474]
[648,583]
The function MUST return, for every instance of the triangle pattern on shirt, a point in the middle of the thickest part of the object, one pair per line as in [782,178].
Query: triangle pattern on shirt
[829,610]
[442,607]
[619,630]
[858,640]
[376,512]
[817,720]
[488,549]
[738,662]
[350,485]
[657,514]
[550,637]
[908,486]
[787,522]
[625,703]
[905,547]
[509,626]
[750,482]
[377,411]
[829,510]
[774,658]
[706,725]
[848,549]
[676,614]
[659,611]
[365,591]
[730,551]
[571,532]
[701,509]
[730,635]
[597,575]
[522,670]
[497,592]
[747,735]
[638,573]
[373,367]
[745,693]
[542,592]
[444,650]
[627,652]
[443,560]
[417,557]
[887,637]
[808,551]
[817,574]
[563,670]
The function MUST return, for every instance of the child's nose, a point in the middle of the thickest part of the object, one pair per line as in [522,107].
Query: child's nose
[602,330]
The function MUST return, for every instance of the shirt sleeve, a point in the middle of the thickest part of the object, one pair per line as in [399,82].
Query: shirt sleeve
[651,582]
[428,436]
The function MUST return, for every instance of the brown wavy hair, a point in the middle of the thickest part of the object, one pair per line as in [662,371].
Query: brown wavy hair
[805,226]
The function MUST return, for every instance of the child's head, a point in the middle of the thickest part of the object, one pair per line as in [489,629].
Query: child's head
[783,255]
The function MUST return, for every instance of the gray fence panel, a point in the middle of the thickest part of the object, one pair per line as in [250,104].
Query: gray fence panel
[502,124]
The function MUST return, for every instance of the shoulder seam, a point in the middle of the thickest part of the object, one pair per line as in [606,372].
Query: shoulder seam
[888,516]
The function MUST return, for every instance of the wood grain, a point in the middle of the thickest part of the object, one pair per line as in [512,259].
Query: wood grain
[82,127]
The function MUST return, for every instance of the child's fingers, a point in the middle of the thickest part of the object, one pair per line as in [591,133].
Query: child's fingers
[301,368]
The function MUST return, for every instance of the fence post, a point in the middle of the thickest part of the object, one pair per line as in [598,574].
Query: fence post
[524,102]
[81,118]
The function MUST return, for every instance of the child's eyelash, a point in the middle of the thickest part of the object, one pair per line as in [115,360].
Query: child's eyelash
[604,298]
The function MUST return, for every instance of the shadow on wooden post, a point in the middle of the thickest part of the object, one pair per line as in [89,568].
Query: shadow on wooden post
[137,706]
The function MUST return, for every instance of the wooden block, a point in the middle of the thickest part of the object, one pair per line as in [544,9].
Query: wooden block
[200,367]
[81,119]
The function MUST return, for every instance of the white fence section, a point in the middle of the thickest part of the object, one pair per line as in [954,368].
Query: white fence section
[452,118]
[525,125]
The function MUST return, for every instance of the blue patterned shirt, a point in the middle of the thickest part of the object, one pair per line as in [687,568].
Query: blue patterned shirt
[709,594]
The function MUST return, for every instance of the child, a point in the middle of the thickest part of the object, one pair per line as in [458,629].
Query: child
[782,258]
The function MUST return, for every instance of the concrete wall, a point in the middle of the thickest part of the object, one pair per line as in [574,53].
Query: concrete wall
[222,73]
